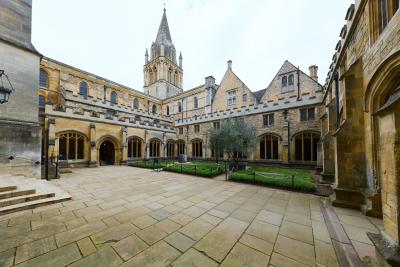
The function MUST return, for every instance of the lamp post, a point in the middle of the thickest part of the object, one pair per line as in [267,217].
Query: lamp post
[4,90]
[285,115]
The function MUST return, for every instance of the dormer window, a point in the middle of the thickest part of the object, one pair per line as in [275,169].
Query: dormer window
[244,98]
[291,80]
[287,83]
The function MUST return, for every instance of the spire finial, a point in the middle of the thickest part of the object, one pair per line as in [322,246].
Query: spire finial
[164,7]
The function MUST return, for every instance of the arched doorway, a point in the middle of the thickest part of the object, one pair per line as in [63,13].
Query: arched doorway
[107,153]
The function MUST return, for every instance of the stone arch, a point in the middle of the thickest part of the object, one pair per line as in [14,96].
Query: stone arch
[305,145]
[111,155]
[154,147]
[197,147]
[71,145]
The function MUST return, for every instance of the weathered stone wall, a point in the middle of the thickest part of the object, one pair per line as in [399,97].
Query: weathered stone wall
[19,121]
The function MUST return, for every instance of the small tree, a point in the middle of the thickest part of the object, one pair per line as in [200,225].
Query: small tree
[235,137]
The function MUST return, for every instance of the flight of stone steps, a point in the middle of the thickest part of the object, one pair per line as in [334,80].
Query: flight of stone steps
[21,193]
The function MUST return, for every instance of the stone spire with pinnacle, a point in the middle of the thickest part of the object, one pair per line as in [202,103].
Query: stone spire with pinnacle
[163,45]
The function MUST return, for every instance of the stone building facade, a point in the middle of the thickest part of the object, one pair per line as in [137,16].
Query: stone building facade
[94,121]
[20,132]
[360,124]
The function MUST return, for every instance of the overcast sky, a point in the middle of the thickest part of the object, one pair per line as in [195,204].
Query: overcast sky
[109,38]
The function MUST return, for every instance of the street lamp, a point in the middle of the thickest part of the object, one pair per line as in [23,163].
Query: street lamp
[4,90]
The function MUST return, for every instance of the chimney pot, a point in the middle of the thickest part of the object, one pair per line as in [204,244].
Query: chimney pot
[314,72]
[229,64]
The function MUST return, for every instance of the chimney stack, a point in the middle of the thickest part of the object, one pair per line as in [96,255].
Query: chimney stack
[230,64]
[314,72]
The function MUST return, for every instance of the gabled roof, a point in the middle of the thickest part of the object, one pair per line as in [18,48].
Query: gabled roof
[259,94]
[164,35]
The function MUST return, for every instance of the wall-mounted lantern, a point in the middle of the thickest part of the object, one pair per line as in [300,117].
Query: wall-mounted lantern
[5,89]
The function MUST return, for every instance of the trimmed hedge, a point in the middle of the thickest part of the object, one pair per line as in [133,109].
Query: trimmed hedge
[202,169]
[277,177]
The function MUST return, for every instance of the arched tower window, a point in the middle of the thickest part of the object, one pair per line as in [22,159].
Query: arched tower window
[167,110]
[43,79]
[42,101]
[154,109]
[195,102]
[114,98]
[135,103]
[176,80]
[83,89]
[179,107]
[170,75]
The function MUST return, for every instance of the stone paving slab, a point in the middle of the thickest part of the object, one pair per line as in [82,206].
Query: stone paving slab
[123,216]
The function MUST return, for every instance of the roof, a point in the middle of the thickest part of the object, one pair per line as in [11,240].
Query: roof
[164,35]
[259,94]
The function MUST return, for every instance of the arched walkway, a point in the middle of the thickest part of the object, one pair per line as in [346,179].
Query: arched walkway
[107,153]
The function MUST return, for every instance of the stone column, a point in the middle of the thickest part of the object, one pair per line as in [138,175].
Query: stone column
[124,145]
[52,138]
[93,150]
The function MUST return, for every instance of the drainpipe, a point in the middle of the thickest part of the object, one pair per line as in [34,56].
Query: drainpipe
[298,83]
[336,78]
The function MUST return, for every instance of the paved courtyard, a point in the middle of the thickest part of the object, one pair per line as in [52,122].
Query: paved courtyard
[137,217]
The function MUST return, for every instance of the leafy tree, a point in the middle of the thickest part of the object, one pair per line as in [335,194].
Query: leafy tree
[235,137]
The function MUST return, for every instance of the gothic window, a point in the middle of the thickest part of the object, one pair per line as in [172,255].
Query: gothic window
[155,148]
[170,75]
[83,89]
[197,128]
[284,81]
[71,146]
[135,103]
[114,96]
[179,107]
[216,125]
[42,101]
[170,148]
[195,102]
[154,74]
[43,79]
[197,148]
[307,114]
[180,130]
[134,147]
[180,144]
[269,147]
[291,80]
[154,109]
[306,146]
[231,98]
[167,110]
[268,119]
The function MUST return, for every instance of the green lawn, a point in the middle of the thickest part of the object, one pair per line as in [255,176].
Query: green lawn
[204,169]
[275,176]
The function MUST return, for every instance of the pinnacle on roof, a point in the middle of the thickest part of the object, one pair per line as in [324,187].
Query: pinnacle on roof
[164,35]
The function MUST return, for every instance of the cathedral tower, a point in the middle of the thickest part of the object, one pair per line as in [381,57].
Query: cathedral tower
[162,74]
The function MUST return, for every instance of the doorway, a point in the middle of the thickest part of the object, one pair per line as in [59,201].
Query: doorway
[107,153]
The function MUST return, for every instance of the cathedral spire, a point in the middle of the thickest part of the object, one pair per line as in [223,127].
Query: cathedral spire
[164,35]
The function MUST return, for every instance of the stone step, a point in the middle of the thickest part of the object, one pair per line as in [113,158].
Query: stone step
[4,188]
[16,193]
[23,199]
[32,204]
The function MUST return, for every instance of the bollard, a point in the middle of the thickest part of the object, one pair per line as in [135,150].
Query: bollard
[195,170]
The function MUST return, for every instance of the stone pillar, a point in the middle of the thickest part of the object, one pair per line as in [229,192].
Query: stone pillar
[285,142]
[147,150]
[124,145]
[349,143]
[52,138]
[93,151]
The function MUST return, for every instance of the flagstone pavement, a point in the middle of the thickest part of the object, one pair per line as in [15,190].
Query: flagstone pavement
[128,216]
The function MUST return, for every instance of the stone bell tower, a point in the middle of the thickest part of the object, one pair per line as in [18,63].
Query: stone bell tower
[162,74]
